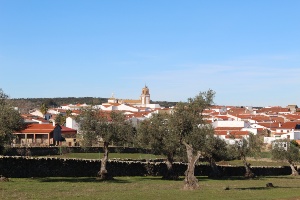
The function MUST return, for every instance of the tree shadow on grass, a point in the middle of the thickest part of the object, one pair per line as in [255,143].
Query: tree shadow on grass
[80,179]
[233,178]
[150,178]
[264,188]
[283,177]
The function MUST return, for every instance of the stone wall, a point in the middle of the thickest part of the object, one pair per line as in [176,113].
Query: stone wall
[24,167]
[45,151]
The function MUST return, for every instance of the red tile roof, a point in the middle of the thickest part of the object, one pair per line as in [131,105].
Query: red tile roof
[292,117]
[222,117]
[237,110]
[273,110]
[228,128]
[45,128]
[269,124]
[289,125]
[234,134]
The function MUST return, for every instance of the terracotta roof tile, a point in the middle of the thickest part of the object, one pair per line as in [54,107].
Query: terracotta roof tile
[45,128]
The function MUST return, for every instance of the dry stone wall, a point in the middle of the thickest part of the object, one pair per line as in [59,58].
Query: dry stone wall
[24,167]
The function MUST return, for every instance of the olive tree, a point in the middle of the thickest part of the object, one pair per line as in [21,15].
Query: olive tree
[155,134]
[188,124]
[108,127]
[215,149]
[60,119]
[285,150]
[10,121]
[249,146]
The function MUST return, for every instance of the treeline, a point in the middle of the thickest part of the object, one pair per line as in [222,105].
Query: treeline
[165,104]
[27,104]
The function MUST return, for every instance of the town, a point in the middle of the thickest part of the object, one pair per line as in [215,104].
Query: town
[230,123]
[164,100]
[199,128]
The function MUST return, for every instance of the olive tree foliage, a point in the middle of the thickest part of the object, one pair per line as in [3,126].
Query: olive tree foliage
[44,109]
[60,119]
[155,134]
[247,147]
[285,150]
[68,113]
[188,124]
[10,121]
[110,128]
[215,149]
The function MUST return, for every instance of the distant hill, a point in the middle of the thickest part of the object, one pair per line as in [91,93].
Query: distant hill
[27,104]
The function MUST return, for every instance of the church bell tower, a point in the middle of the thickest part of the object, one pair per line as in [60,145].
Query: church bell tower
[145,96]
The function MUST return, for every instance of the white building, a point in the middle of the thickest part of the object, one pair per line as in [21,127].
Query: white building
[71,123]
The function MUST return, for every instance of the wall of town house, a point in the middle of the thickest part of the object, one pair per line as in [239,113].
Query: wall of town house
[229,124]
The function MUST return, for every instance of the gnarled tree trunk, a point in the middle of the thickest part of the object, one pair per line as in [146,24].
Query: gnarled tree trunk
[249,173]
[294,171]
[103,173]
[170,174]
[190,181]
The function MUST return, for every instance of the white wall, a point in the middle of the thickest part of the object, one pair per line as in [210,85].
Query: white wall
[71,123]
[37,113]
[127,108]
[269,140]
[228,124]
[252,130]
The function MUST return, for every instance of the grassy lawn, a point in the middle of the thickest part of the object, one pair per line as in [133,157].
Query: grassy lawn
[285,187]
[111,156]
[254,162]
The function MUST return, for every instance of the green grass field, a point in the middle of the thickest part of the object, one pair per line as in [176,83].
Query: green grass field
[264,161]
[285,187]
[136,156]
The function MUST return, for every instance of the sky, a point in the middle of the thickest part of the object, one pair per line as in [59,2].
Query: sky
[248,52]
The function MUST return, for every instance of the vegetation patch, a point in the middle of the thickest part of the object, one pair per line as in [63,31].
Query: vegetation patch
[285,187]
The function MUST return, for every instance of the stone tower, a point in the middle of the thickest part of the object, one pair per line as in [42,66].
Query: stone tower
[145,96]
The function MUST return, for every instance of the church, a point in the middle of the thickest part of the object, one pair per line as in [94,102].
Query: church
[132,105]
[143,101]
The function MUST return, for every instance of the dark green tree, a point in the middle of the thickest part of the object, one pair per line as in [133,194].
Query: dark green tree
[215,149]
[285,150]
[60,119]
[68,113]
[248,147]
[50,103]
[154,133]
[109,128]
[10,121]
[44,109]
[188,124]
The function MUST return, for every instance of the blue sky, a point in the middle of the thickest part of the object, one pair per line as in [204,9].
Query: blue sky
[248,52]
